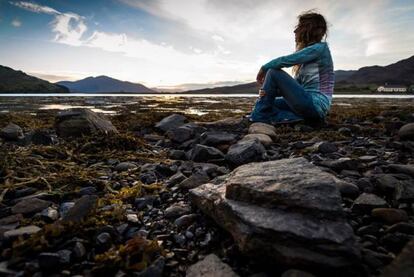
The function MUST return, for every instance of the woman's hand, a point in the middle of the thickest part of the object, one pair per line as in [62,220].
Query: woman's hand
[261,76]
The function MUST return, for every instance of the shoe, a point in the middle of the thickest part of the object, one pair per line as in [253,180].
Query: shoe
[287,121]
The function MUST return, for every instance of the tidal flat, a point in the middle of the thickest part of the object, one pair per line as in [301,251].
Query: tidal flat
[118,190]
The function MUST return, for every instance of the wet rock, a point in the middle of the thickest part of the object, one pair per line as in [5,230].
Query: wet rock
[87,191]
[125,166]
[263,128]
[195,180]
[325,147]
[11,132]
[403,264]
[263,139]
[104,241]
[78,122]
[365,185]
[406,132]
[48,261]
[296,273]
[210,266]
[217,138]
[395,242]
[245,151]
[29,206]
[82,208]
[64,256]
[374,259]
[26,230]
[367,202]
[171,122]
[367,158]
[133,218]
[177,210]
[274,209]
[144,202]
[390,215]
[202,153]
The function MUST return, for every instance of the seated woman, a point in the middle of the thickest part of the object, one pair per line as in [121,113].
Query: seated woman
[308,96]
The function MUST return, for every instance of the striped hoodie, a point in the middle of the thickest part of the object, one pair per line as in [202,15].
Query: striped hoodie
[316,73]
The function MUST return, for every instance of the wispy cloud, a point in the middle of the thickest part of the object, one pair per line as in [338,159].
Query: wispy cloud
[16,23]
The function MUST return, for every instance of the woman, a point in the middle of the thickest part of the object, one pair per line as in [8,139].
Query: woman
[308,96]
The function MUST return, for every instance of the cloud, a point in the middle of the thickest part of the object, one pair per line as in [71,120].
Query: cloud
[33,7]
[68,27]
[16,23]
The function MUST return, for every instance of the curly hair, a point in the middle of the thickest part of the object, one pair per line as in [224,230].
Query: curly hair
[311,28]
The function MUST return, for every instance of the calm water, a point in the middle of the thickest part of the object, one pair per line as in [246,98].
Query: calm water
[388,96]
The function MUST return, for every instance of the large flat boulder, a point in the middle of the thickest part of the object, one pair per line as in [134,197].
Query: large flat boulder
[286,212]
[78,122]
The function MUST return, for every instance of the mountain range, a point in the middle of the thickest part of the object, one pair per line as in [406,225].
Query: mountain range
[12,81]
[102,84]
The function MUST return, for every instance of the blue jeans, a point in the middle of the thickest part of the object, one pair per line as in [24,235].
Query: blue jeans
[284,100]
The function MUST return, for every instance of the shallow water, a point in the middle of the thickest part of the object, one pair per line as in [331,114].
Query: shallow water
[163,95]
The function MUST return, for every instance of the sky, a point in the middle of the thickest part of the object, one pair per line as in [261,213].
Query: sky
[191,43]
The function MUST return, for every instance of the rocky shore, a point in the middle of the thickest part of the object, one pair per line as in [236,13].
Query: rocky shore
[166,191]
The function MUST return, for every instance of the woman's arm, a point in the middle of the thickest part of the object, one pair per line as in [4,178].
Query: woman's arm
[305,55]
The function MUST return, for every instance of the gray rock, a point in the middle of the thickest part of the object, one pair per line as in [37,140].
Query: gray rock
[11,132]
[176,179]
[386,183]
[48,261]
[156,269]
[233,123]
[185,220]
[269,219]
[296,273]
[202,153]
[65,207]
[406,132]
[217,138]
[43,137]
[405,191]
[65,256]
[368,201]
[390,215]
[210,266]
[176,210]
[402,168]
[125,166]
[262,138]
[82,208]
[294,184]
[26,230]
[195,180]
[78,122]
[79,251]
[171,122]
[263,128]
[245,151]
[181,134]
[345,131]
[341,163]
[29,206]
[367,158]
[347,189]
[325,147]
[50,214]
[177,154]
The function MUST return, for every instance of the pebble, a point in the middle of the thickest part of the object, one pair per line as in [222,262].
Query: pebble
[390,215]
